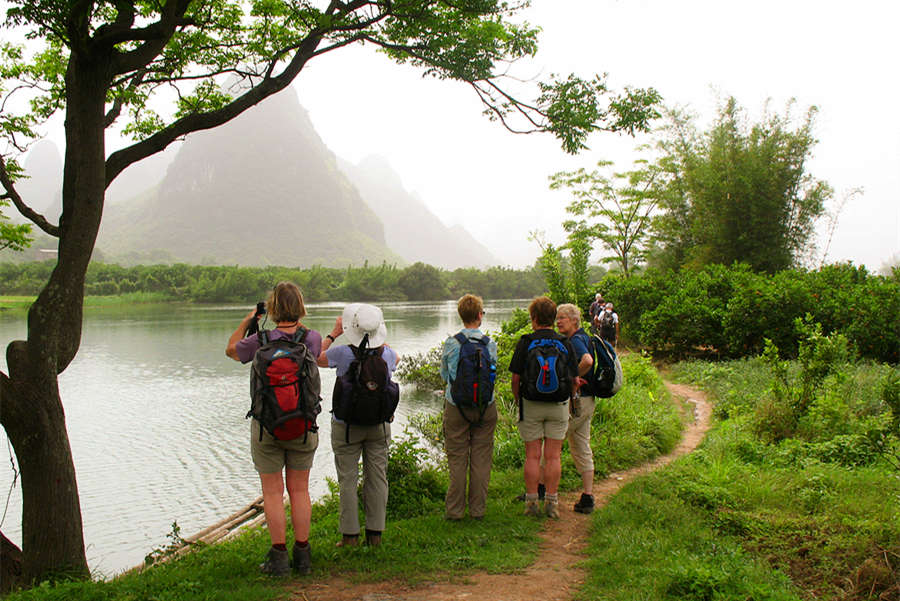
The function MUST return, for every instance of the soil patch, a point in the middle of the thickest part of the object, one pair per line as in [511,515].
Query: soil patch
[554,576]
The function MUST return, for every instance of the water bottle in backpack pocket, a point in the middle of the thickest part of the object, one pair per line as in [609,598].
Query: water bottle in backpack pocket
[284,386]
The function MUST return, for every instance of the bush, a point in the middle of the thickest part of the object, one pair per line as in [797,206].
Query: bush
[417,487]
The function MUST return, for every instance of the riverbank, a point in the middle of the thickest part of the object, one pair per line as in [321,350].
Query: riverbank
[21,303]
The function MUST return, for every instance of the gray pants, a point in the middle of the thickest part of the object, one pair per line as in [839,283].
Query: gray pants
[372,443]
[470,453]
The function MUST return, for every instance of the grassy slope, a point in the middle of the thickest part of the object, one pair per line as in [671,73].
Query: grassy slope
[739,519]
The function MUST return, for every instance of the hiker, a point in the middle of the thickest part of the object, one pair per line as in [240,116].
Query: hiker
[363,405]
[543,370]
[568,323]
[469,366]
[271,455]
[607,322]
[594,310]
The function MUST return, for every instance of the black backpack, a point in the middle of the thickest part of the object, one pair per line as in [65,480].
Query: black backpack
[607,377]
[607,325]
[547,377]
[365,395]
[473,386]
[284,386]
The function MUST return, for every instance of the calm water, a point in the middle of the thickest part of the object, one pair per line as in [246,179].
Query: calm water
[155,413]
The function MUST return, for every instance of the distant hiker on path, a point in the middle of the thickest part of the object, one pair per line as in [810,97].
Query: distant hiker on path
[568,323]
[469,366]
[363,405]
[608,323]
[295,445]
[594,310]
[543,370]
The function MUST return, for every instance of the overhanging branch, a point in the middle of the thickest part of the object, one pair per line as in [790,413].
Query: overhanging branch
[24,209]
[119,160]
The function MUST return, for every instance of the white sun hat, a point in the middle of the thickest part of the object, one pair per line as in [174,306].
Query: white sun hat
[360,319]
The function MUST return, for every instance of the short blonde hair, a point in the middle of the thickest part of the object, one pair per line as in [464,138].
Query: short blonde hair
[569,310]
[542,311]
[285,302]
[469,308]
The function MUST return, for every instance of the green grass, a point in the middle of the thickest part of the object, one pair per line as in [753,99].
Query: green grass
[21,303]
[649,543]
[745,519]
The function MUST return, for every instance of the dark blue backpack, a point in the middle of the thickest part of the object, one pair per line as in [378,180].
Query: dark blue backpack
[547,376]
[607,377]
[473,386]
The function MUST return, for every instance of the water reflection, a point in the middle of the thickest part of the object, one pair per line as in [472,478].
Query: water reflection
[155,414]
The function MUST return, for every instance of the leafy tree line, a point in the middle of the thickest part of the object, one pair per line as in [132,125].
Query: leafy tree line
[737,192]
[200,283]
[730,311]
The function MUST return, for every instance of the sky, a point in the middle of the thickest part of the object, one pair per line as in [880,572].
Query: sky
[841,57]
[838,56]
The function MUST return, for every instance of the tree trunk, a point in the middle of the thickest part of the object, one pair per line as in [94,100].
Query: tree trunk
[33,416]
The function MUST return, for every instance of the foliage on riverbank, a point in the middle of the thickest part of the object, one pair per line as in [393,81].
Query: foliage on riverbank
[729,311]
[805,505]
[208,284]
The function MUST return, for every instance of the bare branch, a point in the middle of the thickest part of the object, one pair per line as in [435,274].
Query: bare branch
[24,209]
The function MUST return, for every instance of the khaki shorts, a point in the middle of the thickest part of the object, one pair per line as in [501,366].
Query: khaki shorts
[271,456]
[543,420]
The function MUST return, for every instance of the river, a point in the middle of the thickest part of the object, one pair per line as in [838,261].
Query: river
[155,414]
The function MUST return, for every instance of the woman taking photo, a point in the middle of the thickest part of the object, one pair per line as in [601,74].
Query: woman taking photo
[285,458]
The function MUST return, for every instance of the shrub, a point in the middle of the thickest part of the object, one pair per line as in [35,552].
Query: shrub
[417,487]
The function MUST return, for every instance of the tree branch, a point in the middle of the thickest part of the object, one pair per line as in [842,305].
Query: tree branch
[154,36]
[24,209]
[119,160]
[116,109]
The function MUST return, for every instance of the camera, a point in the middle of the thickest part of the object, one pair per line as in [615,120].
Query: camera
[260,308]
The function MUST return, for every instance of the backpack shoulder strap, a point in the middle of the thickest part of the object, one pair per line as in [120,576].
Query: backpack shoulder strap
[460,338]
[300,334]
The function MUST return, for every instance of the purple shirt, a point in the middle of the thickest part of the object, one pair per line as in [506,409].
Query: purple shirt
[247,347]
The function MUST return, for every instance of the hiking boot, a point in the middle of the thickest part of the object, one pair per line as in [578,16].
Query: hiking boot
[302,561]
[373,539]
[551,508]
[585,504]
[532,509]
[348,540]
[277,563]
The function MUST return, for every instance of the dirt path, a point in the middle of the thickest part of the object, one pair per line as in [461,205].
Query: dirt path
[554,576]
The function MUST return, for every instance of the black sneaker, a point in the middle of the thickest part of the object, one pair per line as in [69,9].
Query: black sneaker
[302,561]
[585,504]
[277,563]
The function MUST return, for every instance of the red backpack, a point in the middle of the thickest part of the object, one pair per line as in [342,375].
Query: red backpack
[285,386]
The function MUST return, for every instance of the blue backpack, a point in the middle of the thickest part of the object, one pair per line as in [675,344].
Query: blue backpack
[607,376]
[473,386]
[547,376]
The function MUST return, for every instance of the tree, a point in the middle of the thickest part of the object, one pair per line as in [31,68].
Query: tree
[103,59]
[615,209]
[738,192]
